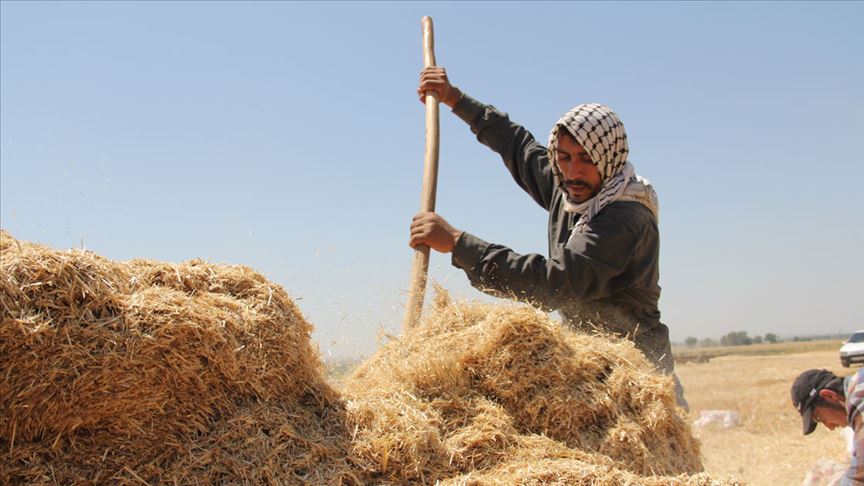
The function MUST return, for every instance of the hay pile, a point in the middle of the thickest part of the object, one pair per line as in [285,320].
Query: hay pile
[483,394]
[121,372]
[145,372]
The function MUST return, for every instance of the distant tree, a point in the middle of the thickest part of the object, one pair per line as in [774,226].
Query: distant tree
[771,338]
[738,338]
[691,342]
[757,339]
[707,343]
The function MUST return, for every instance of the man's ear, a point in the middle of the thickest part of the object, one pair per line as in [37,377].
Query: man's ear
[830,395]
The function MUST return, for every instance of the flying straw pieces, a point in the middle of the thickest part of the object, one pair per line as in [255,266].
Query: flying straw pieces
[144,372]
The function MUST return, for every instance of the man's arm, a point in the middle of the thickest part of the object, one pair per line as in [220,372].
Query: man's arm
[524,157]
[591,266]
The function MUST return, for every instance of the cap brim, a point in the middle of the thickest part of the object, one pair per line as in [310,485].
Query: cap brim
[808,422]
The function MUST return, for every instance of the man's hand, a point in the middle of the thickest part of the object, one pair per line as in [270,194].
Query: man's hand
[433,231]
[434,78]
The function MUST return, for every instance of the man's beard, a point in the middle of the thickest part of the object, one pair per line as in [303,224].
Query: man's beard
[590,191]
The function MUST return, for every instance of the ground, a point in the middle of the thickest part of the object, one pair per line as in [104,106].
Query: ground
[768,448]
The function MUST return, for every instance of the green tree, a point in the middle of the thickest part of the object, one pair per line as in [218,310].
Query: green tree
[771,338]
[737,338]
[691,342]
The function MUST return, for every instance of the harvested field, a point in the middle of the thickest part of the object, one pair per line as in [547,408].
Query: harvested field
[193,373]
[704,355]
[768,448]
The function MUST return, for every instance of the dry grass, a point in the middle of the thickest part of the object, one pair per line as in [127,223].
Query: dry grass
[768,449]
[482,394]
[147,372]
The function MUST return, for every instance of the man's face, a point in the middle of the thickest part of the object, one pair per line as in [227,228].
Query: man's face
[830,416]
[581,177]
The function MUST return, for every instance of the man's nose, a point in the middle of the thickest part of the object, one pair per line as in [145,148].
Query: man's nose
[578,171]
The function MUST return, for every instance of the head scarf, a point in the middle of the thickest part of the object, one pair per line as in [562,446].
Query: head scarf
[600,132]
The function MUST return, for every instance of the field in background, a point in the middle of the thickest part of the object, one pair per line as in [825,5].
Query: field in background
[686,355]
[768,448]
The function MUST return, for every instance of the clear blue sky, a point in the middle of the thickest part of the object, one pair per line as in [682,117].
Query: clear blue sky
[288,137]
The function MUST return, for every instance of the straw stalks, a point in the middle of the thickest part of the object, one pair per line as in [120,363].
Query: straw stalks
[144,372]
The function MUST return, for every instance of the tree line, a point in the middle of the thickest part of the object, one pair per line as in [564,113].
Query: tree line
[740,338]
[737,338]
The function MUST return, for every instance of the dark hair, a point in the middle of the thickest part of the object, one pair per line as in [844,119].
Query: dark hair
[563,131]
[836,385]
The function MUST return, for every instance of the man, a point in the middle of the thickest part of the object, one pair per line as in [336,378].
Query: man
[823,397]
[602,271]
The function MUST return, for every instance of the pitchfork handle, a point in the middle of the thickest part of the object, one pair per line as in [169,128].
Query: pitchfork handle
[420,268]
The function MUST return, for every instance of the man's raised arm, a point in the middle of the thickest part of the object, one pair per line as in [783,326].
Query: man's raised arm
[526,159]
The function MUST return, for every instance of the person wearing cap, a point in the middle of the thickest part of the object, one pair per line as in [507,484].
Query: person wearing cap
[602,271]
[823,397]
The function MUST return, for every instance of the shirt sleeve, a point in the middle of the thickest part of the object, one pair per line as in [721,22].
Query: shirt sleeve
[855,396]
[582,270]
[525,158]
[854,406]
[855,474]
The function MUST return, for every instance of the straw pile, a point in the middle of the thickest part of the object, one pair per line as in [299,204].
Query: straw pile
[483,394]
[121,372]
[146,372]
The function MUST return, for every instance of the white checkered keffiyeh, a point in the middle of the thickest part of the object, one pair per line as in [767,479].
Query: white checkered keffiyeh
[600,132]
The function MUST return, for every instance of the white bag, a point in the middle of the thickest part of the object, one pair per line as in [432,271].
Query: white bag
[724,418]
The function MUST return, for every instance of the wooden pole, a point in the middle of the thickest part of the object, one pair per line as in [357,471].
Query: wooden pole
[420,268]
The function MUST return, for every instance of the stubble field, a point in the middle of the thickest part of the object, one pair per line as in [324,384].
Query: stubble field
[768,447]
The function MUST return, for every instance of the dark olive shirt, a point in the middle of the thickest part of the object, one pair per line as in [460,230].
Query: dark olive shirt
[605,277]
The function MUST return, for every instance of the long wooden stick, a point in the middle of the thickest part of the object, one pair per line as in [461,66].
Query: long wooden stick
[420,268]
